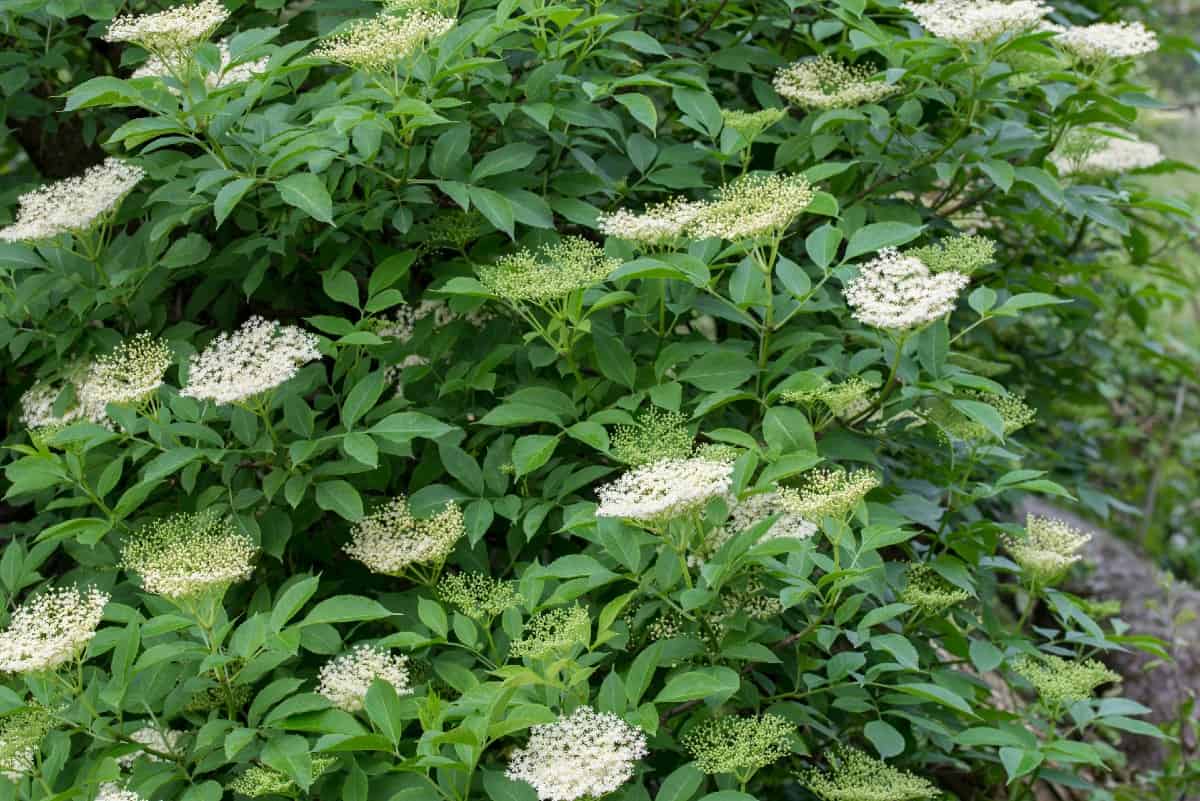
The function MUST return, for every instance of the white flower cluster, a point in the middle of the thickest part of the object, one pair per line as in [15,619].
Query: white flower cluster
[898,292]
[826,83]
[111,791]
[72,205]
[255,359]
[1097,43]
[755,206]
[1093,155]
[659,225]
[391,540]
[37,405]
[51,629]
[163,741]
[585,755]
[172,32]
[964,21]
[661,491]
[379,43]
[187,555]
[129,375]
[346,679]
[751,510]
[228,74]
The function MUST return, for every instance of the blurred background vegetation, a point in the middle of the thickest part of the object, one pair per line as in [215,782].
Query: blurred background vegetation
[1136,467]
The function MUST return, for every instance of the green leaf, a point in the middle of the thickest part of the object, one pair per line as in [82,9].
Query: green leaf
[169,462]
[701,107]
[508,158]
[340,497]
[291,600]
[886,739]
[307,192]
[230,195]
[718,683]
[382,706]
[875,237]
[719,370]
[406,426]
[495,207]
[362,397]
[985,656]
[939,695]
[345,609]
[787,430]
[641,108]
[289,755]
[681,784]
[531,452]
[1019,762]
[981,413]
[433,616]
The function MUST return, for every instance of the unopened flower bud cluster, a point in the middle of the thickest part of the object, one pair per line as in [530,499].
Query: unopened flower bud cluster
[826,83]
[1060,682]
[478,596]
[554,631]
[733,744]
[656,435]
[188,555]
[827,492]
[549,273]
[855,776]
[380,43]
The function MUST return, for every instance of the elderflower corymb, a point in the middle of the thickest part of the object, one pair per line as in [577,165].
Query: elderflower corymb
[661,491]
[825,83]
[1097,43]
[128,376]
[21,734]
[655,435]
[72,205]
[963,21]
[552,632]
[391,540]
[749,125]
[584,755]
[927,591]
[344,680]
[1061,682]
[111,791]
[173,32]
[261,780]
[855,776]
[1048,549]
[749,511]
[658,225]
[828,492]
[477,595]
[51,629]
[380,43]
[549,273]
[258,357]
[188,555]
[739,745]
[898,292]
[753,207]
